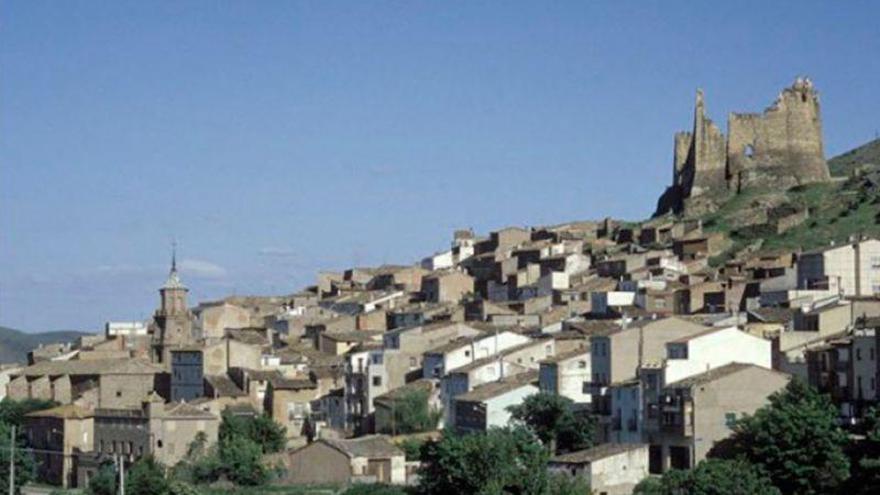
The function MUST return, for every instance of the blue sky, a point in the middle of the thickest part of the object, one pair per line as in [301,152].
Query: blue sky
[274,139]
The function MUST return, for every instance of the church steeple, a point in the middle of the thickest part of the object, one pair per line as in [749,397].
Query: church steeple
[173,318]
[173,281]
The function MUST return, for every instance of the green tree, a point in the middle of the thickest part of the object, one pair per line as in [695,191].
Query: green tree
[241,461]
[865,455]
[25,467]
[262,430]
[795,439]
[555,423]
[12,412]
[412,414]
[502,460]
[710,477]
[104,481]
[146,477]
[412,448]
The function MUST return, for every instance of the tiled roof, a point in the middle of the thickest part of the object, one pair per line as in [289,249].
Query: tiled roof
[123,366]
[224,386]
[494,389]
[598,452]
[716,374]
[370,446]
[67,411]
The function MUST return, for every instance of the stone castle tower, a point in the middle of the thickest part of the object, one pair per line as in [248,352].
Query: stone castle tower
[173,319]
[780,148]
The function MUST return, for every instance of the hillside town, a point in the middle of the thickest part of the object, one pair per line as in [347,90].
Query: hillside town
[645,328]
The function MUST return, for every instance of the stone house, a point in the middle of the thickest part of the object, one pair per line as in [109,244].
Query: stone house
[162,430]
[57,435]
[617,354]
[93,383]
[289,403]
[635,402]
[846,368]
[700,410]
[487,405]
[507,363]
[339,343]
[566,373]
[371,459]
[608,469]
[466,350]
[851,269]
[447,286]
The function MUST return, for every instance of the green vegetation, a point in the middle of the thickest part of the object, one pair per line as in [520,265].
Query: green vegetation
[15,344]
[498,461]
[238,455]
[710,477]
[795,439]
[552,418]
[12,412]
[867,154]
[412,414]
[262,430]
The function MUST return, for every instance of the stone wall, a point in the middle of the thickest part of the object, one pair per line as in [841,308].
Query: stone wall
[779,148]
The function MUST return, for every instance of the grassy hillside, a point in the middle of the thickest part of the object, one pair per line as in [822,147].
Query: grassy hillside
[15,344]
[837,210]
[867,154]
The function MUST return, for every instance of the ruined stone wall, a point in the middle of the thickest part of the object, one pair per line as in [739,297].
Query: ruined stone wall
[779,148]
[683,142]
[783,144]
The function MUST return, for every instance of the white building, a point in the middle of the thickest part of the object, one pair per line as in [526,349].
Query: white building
[612,469]
[634,399]
[487,406]
[125,328]
[851,269]
[566,374]
[466,350]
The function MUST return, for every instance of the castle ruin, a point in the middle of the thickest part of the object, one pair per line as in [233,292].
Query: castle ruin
[779,148]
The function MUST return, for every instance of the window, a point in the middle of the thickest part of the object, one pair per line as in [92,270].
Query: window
[582,364]
[875,262]
[413,362]
[467,353]
[159,443]
[871,353]
[119,393]
[729,419]
[377,381]
[858,353]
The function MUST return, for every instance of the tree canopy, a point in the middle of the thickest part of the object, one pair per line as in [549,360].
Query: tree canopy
[412,414]
[555,423]
[711,477]
[502,460]
[795,439]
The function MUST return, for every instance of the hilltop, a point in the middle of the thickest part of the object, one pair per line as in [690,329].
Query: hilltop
[867,154]
[804,216]
[15,344]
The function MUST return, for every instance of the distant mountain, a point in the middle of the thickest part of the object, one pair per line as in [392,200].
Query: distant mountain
[866,154]
[15,344]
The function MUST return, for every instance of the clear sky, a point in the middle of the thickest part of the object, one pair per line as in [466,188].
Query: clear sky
[275,139]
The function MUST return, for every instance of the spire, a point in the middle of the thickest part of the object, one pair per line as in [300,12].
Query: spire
[174,256]
[173,281]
